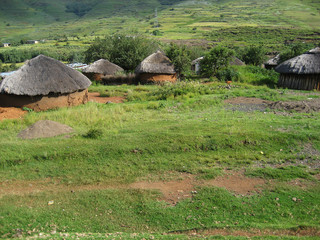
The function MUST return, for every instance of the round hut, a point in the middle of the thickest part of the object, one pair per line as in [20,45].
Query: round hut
[272,63]
[44,83]
[101,68]
[301,72]
[156,68]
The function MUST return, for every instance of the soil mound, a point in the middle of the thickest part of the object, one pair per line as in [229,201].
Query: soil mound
[246,104]
[312,105]
[44,129]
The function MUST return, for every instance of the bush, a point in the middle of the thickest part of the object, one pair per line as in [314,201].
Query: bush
[228,74]
[125,51]
[216,59]
[180,57]
[254,55]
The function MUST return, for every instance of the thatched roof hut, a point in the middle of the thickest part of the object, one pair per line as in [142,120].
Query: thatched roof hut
[101,68]
[156,68]
[301,72]
[44,83]
[272,63]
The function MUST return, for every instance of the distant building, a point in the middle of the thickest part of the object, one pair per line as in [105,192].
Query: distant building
[32,41]
[6,44]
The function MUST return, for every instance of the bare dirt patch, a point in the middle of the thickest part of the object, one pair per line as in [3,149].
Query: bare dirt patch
[255,104]
[95,97]
[11,113]
[306,106]
[173,191]
[246,104]
[237,182]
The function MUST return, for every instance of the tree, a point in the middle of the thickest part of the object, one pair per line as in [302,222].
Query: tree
[180,57]
[125,51]
[216,59]
[254,55]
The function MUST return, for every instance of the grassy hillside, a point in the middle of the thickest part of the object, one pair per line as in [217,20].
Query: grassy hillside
[177,19]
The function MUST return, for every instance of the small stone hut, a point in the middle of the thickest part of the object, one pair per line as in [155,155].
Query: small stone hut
[44,83]
[156,68]
[301,72]
[102,68]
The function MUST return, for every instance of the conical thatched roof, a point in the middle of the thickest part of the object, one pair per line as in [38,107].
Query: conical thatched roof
[43,75]
[307,63]
[273,61]
[103,66]
[156,63]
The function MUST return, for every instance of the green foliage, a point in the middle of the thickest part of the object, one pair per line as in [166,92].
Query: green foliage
[254,55]
[228,74]
[93,133]
[216,59]
[18,55]
[121,49]
[257,75]
[294,50]
[180,57]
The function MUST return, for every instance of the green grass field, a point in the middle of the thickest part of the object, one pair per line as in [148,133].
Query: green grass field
[163,133]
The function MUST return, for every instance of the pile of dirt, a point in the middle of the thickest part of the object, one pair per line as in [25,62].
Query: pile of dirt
[308,106]
[246,104]
[44,129]
[11,113]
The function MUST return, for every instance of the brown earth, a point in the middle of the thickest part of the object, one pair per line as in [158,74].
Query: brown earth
[11,113]
[44,129]
[95,97]
[182,187]
[256,104]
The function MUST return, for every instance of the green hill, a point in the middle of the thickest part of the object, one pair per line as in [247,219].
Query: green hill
[177,19]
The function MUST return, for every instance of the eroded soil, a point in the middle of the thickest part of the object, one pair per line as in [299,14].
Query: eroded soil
[173,191]
[11,113]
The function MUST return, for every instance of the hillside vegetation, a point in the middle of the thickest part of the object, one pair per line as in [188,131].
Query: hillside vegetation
[177,19]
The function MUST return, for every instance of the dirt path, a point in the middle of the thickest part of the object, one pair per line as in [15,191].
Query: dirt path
[182,187]
[95,97]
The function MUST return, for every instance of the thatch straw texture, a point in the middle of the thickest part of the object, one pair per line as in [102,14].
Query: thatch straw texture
[104,67]
[307,63]
[156,63]
[43,75]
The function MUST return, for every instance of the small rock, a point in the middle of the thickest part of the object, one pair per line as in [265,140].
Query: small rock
[294,199]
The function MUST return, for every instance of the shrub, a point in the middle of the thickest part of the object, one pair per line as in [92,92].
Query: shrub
[216,59]
[93,133]
[228,74]
[254,55]
[125,51]
[180,57]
